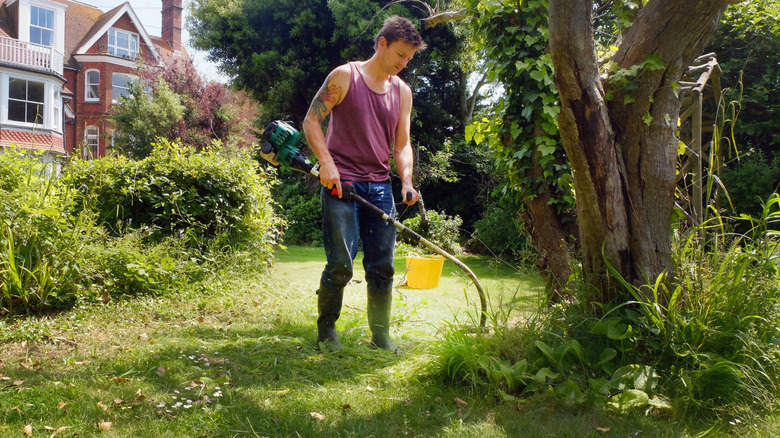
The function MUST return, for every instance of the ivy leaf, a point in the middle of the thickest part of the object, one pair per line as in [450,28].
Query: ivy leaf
[653,62]
[516,130]
[521,65]
[470,130]
[628,99]
[647,118]
[546,150]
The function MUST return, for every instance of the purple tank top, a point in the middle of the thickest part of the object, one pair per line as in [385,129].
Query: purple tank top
[362,129]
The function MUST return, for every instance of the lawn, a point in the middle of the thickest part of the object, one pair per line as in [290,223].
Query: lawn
[241,360]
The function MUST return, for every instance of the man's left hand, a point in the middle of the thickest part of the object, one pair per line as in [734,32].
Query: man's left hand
[410,195]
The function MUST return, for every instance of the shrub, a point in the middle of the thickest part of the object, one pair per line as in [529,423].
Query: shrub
[443,230]
[125,265]
[498,232]
[204,198]
[702,343]
[300,207]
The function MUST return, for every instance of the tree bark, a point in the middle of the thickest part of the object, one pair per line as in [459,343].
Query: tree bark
[548,234]
[623,151]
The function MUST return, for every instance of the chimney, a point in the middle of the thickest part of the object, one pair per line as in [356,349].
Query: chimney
[171,24]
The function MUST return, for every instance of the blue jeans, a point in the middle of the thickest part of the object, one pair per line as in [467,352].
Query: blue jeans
[343,221]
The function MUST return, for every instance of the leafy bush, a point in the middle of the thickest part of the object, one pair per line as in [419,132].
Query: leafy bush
[300,207]
[443,230]
[499,232]
[752,180]
[704,342]
[204,198]
[126,265]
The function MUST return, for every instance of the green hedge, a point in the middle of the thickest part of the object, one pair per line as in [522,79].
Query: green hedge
[203,197]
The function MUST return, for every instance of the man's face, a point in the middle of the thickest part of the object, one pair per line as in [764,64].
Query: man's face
[395,55]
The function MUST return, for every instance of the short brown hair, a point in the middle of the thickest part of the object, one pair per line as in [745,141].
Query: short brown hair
[399,28]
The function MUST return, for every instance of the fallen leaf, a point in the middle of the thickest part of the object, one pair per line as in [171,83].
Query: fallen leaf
[347,407]
[102,406]
[438,399]
[160,371]
[28,430]
[18,382]
[317,416]
[118,401]
[81,362]
[603,429]
[120,379]
[200,320]
[460,402]
[152,341]
[59,430]
[104,298]
[104,425]
[459,414]
[283,392]
[197,384]
[61,405]
[369,389]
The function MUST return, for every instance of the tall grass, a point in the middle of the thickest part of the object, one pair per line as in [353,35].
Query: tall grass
[704,343]
[38,242]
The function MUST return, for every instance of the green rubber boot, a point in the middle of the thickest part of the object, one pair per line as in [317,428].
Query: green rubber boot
[379,303]
[329,306]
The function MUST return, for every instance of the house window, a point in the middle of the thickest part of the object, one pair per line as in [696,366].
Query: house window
[121,85]
[41,26]
[92,85]
[91,149]
[123,44]
[25,101]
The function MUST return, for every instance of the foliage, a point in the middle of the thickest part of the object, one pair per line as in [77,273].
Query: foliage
[752,180]
[747,44]
[525,120]
[206,199]
[443,231]
[709,349]
[140,118]
[499,232]
[299,205]
[38,242]
[279,52]
[212,111]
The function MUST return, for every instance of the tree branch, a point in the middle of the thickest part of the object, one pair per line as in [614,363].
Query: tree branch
[438,18]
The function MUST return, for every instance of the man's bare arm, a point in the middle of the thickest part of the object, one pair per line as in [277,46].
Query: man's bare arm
[329,95]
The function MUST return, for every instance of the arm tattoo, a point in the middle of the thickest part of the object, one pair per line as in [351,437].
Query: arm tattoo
[328,93]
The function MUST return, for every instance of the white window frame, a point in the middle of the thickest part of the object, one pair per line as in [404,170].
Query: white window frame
[126,86]
[52,101]
[27,101]
[88,86]
[50,15]
[116,43]
[91,149]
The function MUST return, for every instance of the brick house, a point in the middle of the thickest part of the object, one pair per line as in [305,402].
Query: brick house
[63,64]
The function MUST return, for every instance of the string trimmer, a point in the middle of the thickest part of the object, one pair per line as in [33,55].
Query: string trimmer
[283,145]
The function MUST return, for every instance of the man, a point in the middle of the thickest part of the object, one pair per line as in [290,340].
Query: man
[370,114]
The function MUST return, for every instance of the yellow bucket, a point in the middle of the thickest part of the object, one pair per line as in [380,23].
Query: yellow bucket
[423,272]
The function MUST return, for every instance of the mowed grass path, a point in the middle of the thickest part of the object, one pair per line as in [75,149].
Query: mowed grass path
[242,361]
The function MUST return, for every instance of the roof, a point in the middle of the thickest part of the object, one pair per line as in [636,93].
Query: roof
[84,24]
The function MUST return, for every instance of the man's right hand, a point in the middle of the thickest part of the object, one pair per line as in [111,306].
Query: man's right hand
[330,178]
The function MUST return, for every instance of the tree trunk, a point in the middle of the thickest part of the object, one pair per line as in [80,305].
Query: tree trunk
[548,234]
[623,151]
